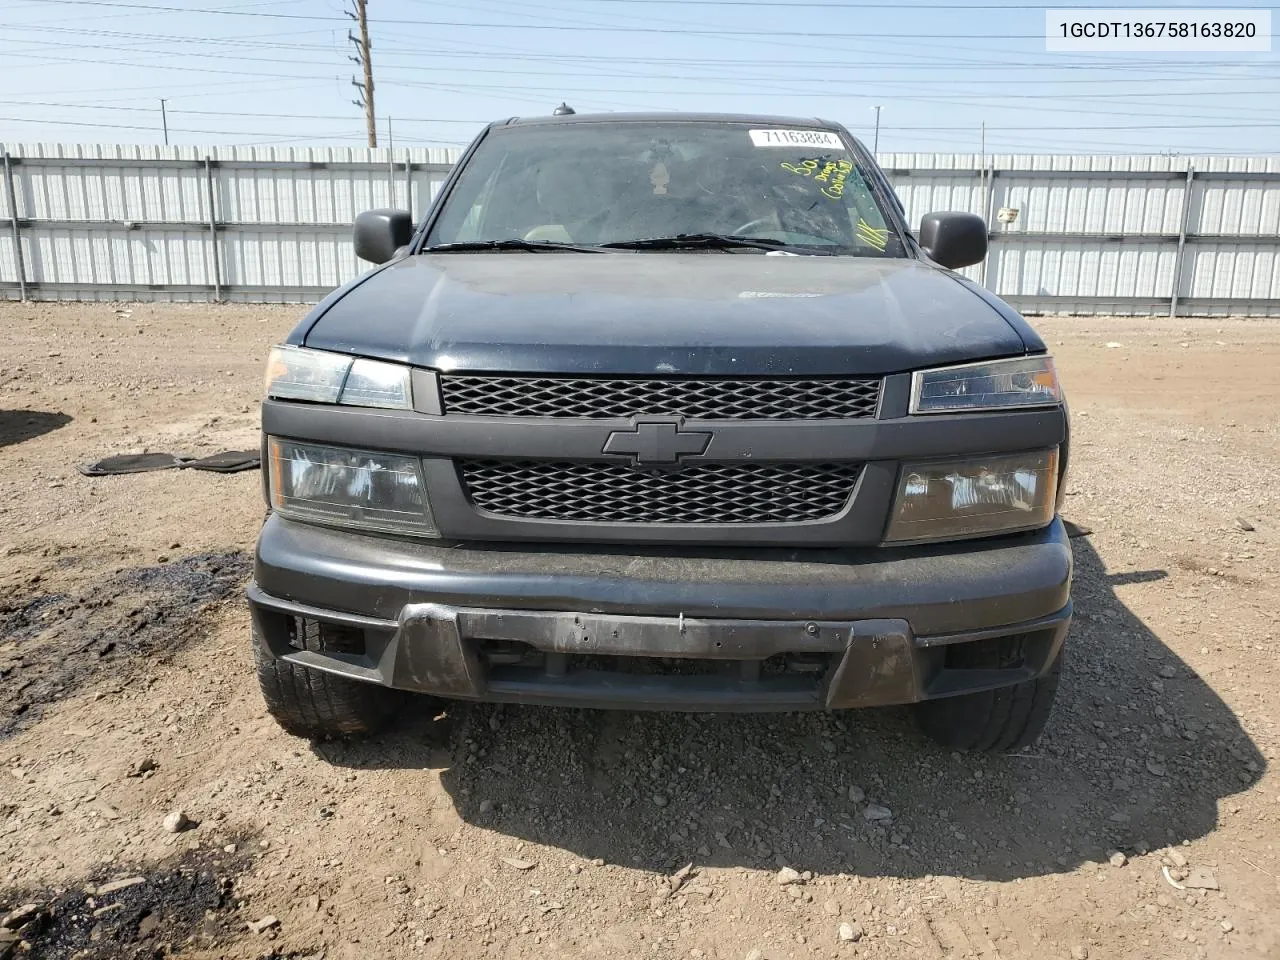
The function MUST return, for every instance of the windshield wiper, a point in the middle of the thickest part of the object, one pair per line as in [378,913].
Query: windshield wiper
[536,246]
[708,241]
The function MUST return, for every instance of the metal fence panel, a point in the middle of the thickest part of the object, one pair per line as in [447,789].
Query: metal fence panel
[235,223]
[1113,234]
[1084,234]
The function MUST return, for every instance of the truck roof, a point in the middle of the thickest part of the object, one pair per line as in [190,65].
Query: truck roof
[673,117]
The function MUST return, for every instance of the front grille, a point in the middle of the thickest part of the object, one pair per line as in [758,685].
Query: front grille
[728,399]
[614,493]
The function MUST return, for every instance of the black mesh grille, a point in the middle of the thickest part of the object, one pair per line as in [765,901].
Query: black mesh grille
[703,399]
[614,493]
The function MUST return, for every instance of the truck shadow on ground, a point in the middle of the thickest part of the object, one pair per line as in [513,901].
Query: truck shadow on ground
[1138,754]
[19,425]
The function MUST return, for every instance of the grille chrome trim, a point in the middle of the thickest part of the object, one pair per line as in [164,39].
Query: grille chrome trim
[621,397]
[704,493]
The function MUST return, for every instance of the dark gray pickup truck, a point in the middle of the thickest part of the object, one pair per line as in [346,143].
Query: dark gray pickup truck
[665,412]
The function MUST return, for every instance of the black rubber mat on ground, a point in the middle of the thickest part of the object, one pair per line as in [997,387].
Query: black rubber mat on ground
[132,463]
[229,461]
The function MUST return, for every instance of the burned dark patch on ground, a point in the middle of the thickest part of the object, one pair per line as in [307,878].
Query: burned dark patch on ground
[188,903]
[52,644]
[30,619]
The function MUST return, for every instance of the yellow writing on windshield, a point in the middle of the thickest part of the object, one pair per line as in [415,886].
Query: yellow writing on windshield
[877,237]
[830,173]
[805,169]
[835,185]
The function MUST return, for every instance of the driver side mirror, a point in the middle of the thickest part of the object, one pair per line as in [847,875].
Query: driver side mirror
[379,234]
[954,240]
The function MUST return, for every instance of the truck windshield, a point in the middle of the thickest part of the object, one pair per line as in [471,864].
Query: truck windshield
[597,183]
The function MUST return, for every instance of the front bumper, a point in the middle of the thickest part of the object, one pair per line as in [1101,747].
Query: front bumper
[765,629]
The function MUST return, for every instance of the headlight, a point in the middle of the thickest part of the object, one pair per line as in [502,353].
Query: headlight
[350,488]
[991,385]
[949,499]
[296,373]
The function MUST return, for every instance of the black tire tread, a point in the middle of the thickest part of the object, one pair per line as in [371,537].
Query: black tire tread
[317,705]
[1008,718]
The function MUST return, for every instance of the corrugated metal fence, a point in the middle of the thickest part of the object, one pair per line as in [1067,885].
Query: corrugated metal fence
[1195,236]
[257,224]
[1082,234]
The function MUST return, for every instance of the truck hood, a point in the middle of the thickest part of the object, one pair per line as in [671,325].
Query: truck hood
[665,313]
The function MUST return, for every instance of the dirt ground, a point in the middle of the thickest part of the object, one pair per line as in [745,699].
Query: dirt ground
[127,694]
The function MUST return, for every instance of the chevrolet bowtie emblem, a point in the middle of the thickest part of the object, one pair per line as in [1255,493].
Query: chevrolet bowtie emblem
[657,442]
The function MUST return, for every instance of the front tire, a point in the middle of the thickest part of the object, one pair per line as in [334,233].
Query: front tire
[993,721]
[318,705]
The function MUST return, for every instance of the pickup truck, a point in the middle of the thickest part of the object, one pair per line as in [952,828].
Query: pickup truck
[665,411]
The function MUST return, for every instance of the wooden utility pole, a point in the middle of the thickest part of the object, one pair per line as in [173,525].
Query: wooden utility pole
[365,60]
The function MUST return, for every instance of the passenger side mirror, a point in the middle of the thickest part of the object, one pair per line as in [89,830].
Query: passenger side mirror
[380,233]
[954,240]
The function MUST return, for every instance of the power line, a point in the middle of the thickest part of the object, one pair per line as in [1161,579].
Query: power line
[1006,100]
[609,64]
[1184,75]
[924,61]
[873,85]
[222,113]
[773,85]
[712,31]
[158,8]
[223,89]
[852,5]
[857,5]
[754,62]
[1032,141]
[121,16]
[1040,143]
[201,91]
[1173,83]
[151,127]
[881,61]
[768,37]
[272,41]
[187,68]
[897,128]
[974,100]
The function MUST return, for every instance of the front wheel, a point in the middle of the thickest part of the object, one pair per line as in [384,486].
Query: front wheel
[992,721]
[318,705]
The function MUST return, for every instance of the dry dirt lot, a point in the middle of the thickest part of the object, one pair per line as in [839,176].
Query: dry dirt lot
[127,693]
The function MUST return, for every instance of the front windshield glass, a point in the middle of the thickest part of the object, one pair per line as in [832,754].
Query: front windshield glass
[611,183]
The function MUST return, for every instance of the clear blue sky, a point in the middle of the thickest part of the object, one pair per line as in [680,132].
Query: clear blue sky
[276,71]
